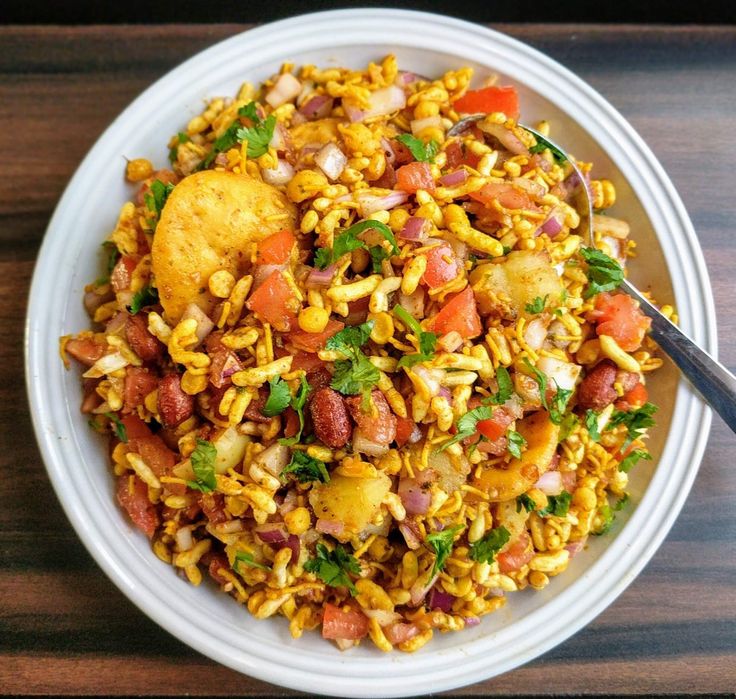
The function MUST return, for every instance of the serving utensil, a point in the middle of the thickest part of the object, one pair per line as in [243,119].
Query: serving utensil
[715,383]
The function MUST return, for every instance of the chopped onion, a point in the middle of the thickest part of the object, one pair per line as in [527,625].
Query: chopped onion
[263,272]
[413,303]
[416,499]
[383,617]
[388,150]
[430,381]
[452,179]
[406,77]
[550,483]
[331,160]
[535,334]
[204,325]
[278,140]
[439,599]
[420,589]
[410,536]
[320,277]
[445,393]
[575,547]
[451,341]
[507,138]
[362,444]
[295,545]
[385,101]
[317,107]
[354,113]
[415,436]
[415,229]
[471,621]
[533,188]
[93,300]
[116,325]
[272,533]
[183,538]
[287,87]
[326,526]
[106,364]
[370,203]
[564,374]
[279,175]
[274,458]
[418,125]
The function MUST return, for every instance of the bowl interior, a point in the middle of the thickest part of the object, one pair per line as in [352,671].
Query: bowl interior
[203,617]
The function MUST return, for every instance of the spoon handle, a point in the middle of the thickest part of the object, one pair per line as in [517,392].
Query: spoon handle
[715,383]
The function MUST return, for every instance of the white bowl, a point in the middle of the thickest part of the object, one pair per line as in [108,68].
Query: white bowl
[212,622]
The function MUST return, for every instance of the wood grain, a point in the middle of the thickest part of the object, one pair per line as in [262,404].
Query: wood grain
[65,629]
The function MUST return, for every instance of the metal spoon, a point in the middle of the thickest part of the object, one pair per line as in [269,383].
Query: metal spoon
[715,383]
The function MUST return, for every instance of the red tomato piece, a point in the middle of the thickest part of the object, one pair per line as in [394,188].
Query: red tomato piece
[620,317]
[488,100]
[135,428]
[153,450]
[139,382]
[219,562]
[276,248]
[349,625]
[134,500]
[274,301]
[633,399]
[414,176]
[516,555]
[506,195]
[496,426]
[439,270]
[459,313]
[314,342]
[308,361]
[404,429]
[213,506]
[85,350]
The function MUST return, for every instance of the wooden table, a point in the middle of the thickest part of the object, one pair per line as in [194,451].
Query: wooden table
[65,628]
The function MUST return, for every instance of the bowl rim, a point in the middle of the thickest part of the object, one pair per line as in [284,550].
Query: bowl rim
[428,671]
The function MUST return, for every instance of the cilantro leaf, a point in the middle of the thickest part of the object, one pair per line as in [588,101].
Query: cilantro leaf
[484,550]
[259,135]
[427,340]
[635,421]
[604,273]
[557,505]
[355,375]
[467,423]
[306,469]
[543,144]
[297,402]
[155,200]
[348,240]
[632,458]
[568,424]
[555,408]
[441,544]
[203,464]
[279,397]
[591,424]
[505,387]
[536,306]
[423,152]
[147,296]
[113,255]
[333,567]
[516,442]
[247,559]
[120,431]
[526,502]
[351,338]
[607,515]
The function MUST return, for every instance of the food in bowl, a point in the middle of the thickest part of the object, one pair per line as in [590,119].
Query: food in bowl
[363,374]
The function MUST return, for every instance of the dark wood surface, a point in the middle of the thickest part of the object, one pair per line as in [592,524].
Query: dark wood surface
[65,628]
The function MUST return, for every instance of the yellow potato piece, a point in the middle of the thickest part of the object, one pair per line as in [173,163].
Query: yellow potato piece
[521,277]
[507,483]
[352,501]
[207,224]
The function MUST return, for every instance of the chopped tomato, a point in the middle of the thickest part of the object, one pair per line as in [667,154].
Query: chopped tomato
[135,427]
[314,342]
[496,426]
[291,422]
[488,100]
[569,480]
[308,361]
[349,625]
[516,555]
[153,450]
[506,195]
[377,424]
[634,398]
[414,176]
[274,302]
[85,350]
[122,273]
[404,429]
[357,311]
[439,269]
[213,506]
[276,248]
[218,563]
[132,494]
[460,314]
[620,317]
[139,382]
[223,365]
